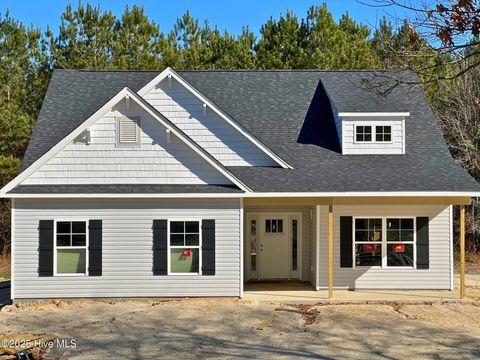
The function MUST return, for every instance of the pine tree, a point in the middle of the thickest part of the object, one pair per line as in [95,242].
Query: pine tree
[136,41]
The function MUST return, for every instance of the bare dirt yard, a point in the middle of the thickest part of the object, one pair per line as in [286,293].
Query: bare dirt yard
[222,328]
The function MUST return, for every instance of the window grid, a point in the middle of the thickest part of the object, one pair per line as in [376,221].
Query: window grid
[58,248]
[384,243]
[274,226]
[383,133]
[363,133]
[187,247]
[373,134]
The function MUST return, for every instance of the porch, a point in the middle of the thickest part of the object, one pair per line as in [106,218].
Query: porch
[305,293]
[292,249]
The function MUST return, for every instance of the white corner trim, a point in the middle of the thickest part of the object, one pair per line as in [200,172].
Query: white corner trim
[450,210]
[374,114]
[169,72]
[242,240]
[13,241]
[97,115]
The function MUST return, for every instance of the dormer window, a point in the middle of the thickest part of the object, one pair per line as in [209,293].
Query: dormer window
[369,133]
[383,133]
[363,133]
[128,131]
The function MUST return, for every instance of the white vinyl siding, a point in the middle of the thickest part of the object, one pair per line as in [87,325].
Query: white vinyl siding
[210,131]
[155,161]
[436,277]
[350,146]
[127,248]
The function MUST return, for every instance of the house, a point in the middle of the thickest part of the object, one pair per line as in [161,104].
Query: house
[191,183]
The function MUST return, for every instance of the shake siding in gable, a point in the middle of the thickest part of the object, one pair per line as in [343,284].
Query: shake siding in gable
[155,161]
[209,130]
[127,248]
[436,277]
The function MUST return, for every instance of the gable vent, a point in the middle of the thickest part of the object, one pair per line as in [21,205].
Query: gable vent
[128,131]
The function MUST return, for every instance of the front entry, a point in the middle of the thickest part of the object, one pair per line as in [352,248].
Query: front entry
[273,244]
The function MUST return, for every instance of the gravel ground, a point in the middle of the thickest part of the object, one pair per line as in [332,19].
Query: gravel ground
[222,328]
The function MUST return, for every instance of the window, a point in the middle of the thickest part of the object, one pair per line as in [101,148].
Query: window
[128,131]
[294,244]
[274,226]
[363,133]
[71,247]
[384,242]
[368,242]
[253,245]
[184,247]
[383,133]
[400,242]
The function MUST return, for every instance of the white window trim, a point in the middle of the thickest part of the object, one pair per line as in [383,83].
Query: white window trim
[384,242]
[137,120]
[199,246]
[55,273]
[374,134]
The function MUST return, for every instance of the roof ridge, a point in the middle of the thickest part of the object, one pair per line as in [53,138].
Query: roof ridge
[109,70]
[294,70]
[234,70]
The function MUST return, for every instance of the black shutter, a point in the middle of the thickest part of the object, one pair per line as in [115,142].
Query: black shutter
[346,242]
[423,252]
[45,248]
[95,248]
[160,242]
[208,247]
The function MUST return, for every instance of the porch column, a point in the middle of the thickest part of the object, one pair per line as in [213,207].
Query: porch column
[462,251]
[330,251]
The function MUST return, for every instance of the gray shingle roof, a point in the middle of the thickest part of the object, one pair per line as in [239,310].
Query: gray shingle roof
[290,113]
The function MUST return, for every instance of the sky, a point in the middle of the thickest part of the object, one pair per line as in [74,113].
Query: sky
[230,15]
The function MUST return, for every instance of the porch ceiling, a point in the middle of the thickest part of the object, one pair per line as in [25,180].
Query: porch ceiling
[384,200]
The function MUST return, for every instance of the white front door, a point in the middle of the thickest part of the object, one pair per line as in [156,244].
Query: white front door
[274,247]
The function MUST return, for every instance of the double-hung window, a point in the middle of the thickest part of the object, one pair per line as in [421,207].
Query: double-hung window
[368,242]
[400,242]
[384,242]
[71,243]
[184,242]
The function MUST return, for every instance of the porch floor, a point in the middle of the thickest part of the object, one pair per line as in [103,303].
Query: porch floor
[305,293]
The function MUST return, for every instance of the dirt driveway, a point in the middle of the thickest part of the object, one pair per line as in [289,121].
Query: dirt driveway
[223,328]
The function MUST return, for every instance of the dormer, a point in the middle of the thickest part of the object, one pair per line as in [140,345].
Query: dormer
[362,133]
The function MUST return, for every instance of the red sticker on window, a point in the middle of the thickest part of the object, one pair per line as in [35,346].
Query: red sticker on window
[399,248]
[186,253]
[369,247]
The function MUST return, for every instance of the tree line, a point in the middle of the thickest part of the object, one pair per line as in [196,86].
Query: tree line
[93,38]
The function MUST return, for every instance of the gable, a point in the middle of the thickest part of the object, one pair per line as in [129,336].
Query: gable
[204,125]
[159,159]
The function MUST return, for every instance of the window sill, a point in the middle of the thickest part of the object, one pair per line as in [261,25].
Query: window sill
[70,275]
[184,274]
[385,268]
